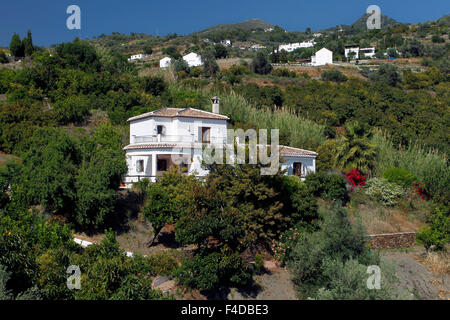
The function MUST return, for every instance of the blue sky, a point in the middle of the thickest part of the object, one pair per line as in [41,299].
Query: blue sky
[47,18]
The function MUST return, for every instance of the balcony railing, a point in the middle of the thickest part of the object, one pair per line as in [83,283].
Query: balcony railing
[175,139]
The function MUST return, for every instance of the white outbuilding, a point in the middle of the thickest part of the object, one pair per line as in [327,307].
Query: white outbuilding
[165,62]
[322,57]
[193,59]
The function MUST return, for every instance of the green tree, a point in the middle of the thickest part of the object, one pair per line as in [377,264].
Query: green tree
[260,64]
[220,51]
[386,73]
[16,46]
[49,167]
[99,177]
[3,57]
[210,66]
[28,44]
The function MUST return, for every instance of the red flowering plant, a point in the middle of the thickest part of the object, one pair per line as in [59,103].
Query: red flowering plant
[419,190]
[356,179]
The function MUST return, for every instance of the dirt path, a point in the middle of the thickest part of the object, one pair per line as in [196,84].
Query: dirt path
[276,284]
[416,279]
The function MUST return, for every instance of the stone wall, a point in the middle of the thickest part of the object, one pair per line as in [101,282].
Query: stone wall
[392,240]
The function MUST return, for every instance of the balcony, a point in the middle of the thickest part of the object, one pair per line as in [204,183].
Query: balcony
[175,139]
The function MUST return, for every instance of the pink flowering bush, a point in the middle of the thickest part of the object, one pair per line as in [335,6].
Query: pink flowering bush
[355,178]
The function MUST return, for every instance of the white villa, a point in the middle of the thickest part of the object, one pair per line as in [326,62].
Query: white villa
[322,57]
[159,137]
[292,46]
[193,59]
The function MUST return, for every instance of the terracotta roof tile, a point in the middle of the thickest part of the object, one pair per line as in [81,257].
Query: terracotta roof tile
[296,152]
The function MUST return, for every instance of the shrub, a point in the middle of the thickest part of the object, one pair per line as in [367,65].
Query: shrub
[384,192]
[348,281]
[400,176]
[438,233]
[207,271]
[327,186]
[338,239]
[333,75]
[284,73]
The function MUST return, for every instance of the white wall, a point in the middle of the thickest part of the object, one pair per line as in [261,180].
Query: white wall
[193,59]
[165,62]
[308,165]
[322,57]
[181,127]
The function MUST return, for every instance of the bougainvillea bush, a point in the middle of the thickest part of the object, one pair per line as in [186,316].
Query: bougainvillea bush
[355,178]
[384,192]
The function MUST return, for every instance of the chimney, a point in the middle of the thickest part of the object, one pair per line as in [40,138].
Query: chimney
[215,104]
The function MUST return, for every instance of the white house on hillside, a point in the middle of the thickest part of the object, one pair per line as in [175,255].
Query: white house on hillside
[322,57]
[139,56]
[159,137]
[165,62]
[354,52]
[297,45]
[193,59]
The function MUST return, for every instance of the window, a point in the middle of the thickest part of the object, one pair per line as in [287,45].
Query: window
[206,134]
[140,166]
[160,129]
[298,169]
[161,165]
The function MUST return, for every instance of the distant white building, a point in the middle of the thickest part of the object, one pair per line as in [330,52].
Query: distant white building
[268,29]
[297,45]
[165,62]
[368,52]
[226,42]
[317,34]
[257,47]
[193,59]
[137,57]
[322,57]
[351,51]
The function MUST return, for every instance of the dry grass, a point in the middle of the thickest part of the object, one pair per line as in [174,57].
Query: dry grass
[378,219]
[438,262]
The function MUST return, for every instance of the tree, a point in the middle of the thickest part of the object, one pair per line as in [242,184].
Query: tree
[16,46]
[386,73]
[220,51]
[3,57]
[148,49]
[172,52]
[210,66]
[99,177]
[28,44]
[169,199]
[49,166]
[354,149]
[260,64]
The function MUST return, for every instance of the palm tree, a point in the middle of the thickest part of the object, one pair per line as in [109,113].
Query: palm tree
[354,149]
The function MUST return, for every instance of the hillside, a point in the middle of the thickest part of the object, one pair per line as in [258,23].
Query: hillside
[252,24]
[385,22]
